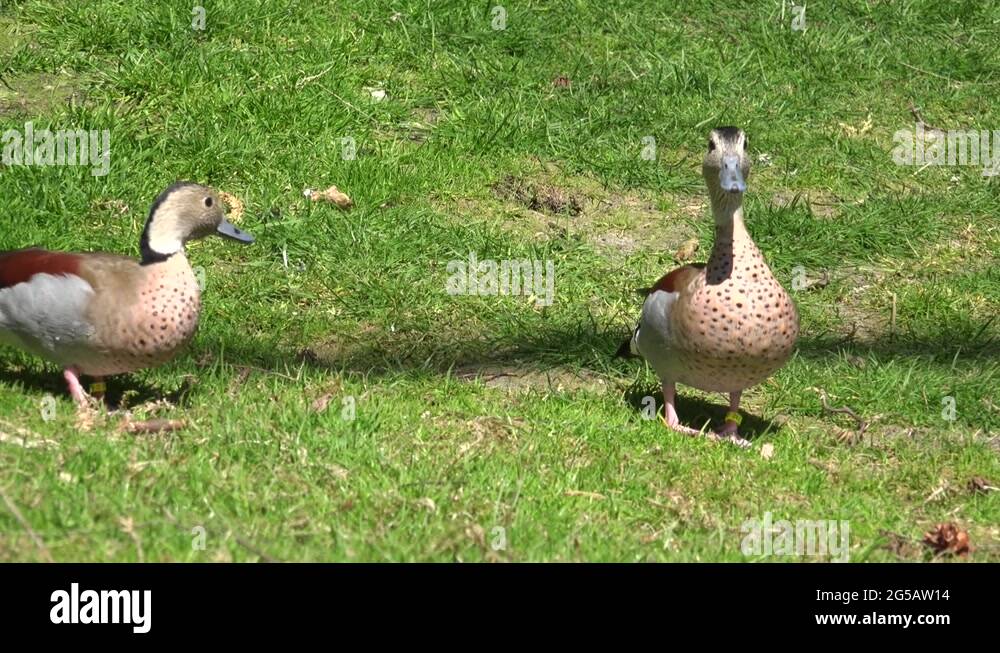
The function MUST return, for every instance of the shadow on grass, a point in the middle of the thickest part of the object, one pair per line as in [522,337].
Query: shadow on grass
[585,349]
[375,353]
[122,390]
[695,412]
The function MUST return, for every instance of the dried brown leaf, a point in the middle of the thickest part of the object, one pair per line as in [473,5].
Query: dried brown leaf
[687,250]
[948,538]
[333,195]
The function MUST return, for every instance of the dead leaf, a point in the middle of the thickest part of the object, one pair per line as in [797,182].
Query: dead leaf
[767,451]
[338,472]
[948,538]
[331,194]
[127,524]
[820,282]
[979,484]
[428,503]
[476,533]
[687,250]
[562,82]
[320,404]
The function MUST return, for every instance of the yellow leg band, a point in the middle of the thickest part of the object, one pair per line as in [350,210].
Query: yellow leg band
[734,417]
[98,387]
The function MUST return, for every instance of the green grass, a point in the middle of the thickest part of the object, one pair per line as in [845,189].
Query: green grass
[558,454]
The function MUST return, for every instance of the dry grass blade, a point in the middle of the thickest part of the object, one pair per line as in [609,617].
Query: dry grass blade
[152,426]
[26,526]
[580,493]
[24,438]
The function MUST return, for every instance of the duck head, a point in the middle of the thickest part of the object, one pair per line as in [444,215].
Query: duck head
[185,211]
[726,166]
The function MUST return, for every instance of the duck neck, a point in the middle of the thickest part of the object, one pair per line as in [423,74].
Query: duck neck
[732,241]
[172,275]
[159,242]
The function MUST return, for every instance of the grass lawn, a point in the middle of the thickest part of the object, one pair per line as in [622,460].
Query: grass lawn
[340,404]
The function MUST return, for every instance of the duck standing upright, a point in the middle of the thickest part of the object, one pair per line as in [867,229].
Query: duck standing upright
[99,314]
[726,325]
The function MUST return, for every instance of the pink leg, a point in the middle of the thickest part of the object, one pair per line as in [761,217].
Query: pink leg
[730,429]
[670,413]
[75,389]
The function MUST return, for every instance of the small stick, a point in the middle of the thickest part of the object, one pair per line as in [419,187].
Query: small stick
[915,112]
[305,80]
[252,549]
[862,424]
[926,72]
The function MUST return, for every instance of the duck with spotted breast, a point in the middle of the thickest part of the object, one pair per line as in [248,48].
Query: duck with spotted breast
[99,314]
[726,325]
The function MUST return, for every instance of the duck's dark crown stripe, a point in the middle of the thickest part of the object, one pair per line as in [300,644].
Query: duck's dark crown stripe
[728,133]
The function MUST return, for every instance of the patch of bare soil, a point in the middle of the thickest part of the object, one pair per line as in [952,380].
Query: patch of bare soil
[539,196]
[516,378]
[547,204]
[38,93]
[820,203]
[419,128]
[852,310]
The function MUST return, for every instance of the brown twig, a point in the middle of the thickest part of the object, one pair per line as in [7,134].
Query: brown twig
[253,549]
[915,112]
[311,78]
[862,424]
[27,527]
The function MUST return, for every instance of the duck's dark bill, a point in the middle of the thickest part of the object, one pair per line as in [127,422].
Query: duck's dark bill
[229,230]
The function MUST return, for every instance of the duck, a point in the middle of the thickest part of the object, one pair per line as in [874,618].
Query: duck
[100,314]
[725,325]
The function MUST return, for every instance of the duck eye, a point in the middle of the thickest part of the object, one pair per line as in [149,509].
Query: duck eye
[208,202]
[711,146]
